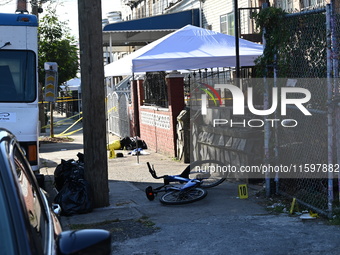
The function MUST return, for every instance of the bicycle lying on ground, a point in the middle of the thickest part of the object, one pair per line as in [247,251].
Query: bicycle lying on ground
[193,182]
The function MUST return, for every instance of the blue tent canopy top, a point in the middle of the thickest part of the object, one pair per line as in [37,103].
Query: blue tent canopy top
[171,21]
[143,31]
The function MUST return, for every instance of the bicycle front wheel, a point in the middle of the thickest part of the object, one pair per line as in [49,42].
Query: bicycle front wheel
[178,197]
[211,171]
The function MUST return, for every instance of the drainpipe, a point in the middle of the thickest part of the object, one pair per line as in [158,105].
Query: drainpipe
[200,17]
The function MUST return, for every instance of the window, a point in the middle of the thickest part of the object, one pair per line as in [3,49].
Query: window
[224,24]
[312,3]
[227,24]
[286,5]
[18,76]
[155,89]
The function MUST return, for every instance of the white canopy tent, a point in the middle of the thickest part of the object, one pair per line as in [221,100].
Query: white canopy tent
[73,84]
[187,48]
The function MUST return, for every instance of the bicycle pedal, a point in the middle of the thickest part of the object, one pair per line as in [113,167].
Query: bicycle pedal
[150,194]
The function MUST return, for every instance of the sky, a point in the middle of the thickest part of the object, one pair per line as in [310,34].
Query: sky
[67,10]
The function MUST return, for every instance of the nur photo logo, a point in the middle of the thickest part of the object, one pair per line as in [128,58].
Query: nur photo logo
[281,99]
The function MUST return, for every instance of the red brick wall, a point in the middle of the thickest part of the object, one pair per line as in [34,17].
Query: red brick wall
[157,138]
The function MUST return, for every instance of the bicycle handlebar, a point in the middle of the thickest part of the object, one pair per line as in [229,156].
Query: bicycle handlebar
[153,172]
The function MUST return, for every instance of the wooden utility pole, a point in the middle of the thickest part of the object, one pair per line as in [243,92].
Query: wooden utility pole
[93,97]
[35,11]
[34,4]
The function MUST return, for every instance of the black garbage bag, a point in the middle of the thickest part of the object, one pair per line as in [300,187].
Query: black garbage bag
[68,170]
[80,157]
[75,197]
[131,143]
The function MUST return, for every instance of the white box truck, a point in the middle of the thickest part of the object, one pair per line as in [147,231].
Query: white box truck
[19,111]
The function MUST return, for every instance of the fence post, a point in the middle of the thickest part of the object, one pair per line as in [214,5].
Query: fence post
[329,108]
[266,125]
[276,141]
[266,128]
[135,107]
[335,54]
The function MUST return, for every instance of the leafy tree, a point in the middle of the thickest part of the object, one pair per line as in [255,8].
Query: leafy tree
[57,45]
[272,25]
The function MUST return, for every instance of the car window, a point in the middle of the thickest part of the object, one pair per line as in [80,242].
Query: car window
[31,196]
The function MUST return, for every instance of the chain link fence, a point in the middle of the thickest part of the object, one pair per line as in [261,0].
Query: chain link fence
[117,104]
[118,118]
[308,60]
[310,53]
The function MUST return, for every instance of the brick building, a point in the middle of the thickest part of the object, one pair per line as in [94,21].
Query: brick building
[157,124]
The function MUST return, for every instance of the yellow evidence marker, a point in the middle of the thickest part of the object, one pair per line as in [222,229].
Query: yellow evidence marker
[243,191]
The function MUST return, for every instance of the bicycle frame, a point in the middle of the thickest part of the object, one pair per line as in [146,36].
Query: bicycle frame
[181,178]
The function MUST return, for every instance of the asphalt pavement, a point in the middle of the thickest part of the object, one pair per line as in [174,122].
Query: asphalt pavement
[221,223]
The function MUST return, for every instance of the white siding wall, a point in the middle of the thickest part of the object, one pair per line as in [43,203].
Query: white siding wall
[126,11]
[183,5]
[212,9]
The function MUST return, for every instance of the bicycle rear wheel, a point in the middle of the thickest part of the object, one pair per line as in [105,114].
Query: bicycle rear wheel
[178,197]
[211,171]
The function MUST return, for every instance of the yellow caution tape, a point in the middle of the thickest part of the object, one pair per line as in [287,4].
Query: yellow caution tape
[114,108]
[64,132]
[67,134]
[57,123]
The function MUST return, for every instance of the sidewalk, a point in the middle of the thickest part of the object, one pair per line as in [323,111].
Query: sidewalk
[221,223]
[125,174]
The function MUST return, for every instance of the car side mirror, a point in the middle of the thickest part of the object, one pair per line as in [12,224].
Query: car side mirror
[85,241]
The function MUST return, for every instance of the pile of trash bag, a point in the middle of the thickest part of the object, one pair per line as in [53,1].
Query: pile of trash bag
[74,193]
[131,143]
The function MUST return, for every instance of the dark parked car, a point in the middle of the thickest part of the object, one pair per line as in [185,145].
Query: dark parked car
[28,225]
